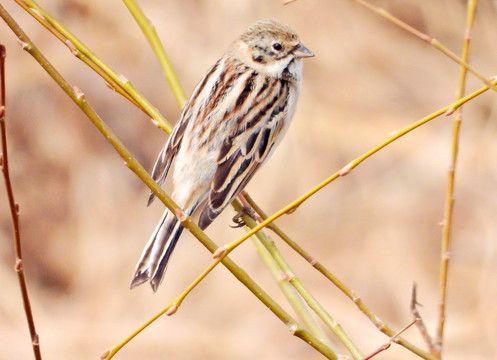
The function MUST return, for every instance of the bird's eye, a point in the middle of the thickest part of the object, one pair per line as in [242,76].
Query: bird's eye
[277,46]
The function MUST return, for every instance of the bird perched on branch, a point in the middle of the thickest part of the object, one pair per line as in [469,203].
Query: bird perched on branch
[233,122]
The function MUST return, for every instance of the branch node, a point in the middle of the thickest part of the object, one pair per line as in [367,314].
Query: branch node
[293,329]
[290,276]
[24,45]
[79,94]
[180,215]
[17,208]
[36,340]
[287,276]
[109,85]
[346,169]
[123,79]
[71,47]
[219,252]
[18,265]
[292,210]
[172,310]
[355,296]
[427,38]
[1,160]
[311,259]
[105,354]
[283,276]
[450,111]
[37,12]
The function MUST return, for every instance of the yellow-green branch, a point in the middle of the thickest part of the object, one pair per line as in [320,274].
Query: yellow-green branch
[382,326]
[449,197]
[81,51]
[160,52]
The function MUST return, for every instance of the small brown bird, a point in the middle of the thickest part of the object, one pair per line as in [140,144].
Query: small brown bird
[231,125]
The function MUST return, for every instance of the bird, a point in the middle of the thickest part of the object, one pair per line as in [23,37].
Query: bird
[232,123]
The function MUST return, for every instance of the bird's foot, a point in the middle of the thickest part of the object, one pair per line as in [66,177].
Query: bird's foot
[238,218]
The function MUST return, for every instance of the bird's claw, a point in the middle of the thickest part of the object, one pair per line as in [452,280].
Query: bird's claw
[238,220]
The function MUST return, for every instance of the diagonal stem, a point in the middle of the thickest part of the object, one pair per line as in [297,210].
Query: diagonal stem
[116,81]
[427,38]
[294,328]
[330,322]
[290,292]
[447,110]
[382,326]
[420,323]
[160,52]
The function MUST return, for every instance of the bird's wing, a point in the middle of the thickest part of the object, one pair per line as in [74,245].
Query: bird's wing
[190,112]
[165,158]
[242,153]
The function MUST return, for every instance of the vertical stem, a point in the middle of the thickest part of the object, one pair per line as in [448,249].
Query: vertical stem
[449,197]
[14,212]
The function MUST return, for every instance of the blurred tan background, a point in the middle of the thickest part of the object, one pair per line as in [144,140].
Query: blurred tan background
[83,215]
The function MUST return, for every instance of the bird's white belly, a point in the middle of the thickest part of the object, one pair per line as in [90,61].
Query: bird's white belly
[192,176]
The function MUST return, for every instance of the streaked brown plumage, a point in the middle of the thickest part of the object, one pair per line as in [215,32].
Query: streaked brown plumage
[232,123]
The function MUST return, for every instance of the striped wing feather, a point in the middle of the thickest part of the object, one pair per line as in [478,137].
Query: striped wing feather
[166,156]
[250,145]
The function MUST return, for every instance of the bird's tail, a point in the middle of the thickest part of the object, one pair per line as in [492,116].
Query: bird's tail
[153,261]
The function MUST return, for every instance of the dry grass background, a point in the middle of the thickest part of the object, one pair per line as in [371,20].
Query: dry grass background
[83,214]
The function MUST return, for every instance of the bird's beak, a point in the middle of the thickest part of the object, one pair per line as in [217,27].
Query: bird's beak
[301,51]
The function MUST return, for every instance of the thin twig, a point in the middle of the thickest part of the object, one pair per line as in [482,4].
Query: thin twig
[420,323]
[14,213]
[428,39]
[386,345]
[449,197]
